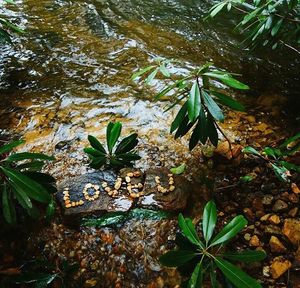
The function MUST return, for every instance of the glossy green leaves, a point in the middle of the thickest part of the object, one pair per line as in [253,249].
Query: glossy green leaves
[266,23]
[118,154]
[21,182]
[199,94]
[275,157]
[202,259]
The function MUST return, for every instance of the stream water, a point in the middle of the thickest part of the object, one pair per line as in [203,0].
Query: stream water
[69,75]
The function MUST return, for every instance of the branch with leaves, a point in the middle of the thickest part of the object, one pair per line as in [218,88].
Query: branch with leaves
[202,259]
[276,157]
[265,22]
[199,92]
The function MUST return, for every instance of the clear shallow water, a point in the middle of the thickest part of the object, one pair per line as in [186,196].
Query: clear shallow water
[70,72]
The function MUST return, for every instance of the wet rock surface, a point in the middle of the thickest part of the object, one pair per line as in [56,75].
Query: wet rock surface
[106,191]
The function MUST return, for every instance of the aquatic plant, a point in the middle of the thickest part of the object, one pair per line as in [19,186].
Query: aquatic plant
[277,158]
[267,23]
[21,182]
[201,259]
[6,26]
[199,92]
[118,154]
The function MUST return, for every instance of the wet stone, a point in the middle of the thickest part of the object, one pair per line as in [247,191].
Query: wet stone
[94,193]
[173,200]
[279,206]
[103,203]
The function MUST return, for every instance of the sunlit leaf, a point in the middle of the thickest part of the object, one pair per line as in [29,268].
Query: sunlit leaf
[209,220]
[178,170]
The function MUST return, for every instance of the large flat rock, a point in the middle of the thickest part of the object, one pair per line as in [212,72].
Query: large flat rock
[88,194]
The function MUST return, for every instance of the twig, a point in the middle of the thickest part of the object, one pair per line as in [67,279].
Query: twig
[227,139]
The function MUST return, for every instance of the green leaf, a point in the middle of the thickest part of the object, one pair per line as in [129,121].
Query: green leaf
[290,166]
[178,170]
[228,101]
[197,277]
[127,144]
[183,128]
[246,178]
[93,152]
[96,144]
[247,256]
[212,107]
[31,166]
[230,230]
[21,196]
[209,220]
[272,152]
[50,210]
[152,75]
[281,172]
[113,135]
[195,138]
[26,156]
[8,208]
[188,229]
[213,278]
[8,147]
[218,8]
[251,150]
[227,79]
[141,72]
[26,186]
[212,132]
[98,162]
[276,27]
[236,276]
[177,258]
[288,141]
[164,70]
[203,127]
[179,117]
[194,102]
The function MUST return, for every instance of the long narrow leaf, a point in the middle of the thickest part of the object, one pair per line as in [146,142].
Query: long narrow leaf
[26,156]
[188,229]
[96,144]
[177,258]
[230,230]
[26,185]
[8,147]
[194,102]
[247,256]
[212,107]
[236,276]
[209,220]
[114,136]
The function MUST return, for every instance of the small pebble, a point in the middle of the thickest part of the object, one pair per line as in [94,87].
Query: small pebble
[127,179]
[172,188]
[130,174]
[104,184]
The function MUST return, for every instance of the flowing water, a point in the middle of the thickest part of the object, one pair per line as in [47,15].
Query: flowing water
[70,72]
[69,75]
